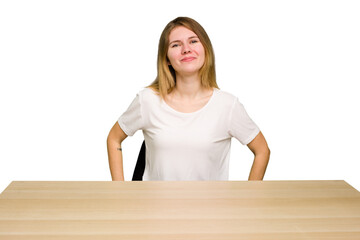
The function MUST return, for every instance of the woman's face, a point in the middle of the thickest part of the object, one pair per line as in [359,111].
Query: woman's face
[186,54]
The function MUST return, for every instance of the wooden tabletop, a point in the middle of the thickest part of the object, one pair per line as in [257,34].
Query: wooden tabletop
[221,210]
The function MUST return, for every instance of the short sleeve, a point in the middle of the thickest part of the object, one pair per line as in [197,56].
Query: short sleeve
[241,126]
[131,120]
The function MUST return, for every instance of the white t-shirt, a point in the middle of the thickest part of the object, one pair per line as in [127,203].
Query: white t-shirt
[188,146]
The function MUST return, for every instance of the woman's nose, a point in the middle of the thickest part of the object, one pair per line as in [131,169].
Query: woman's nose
[186,49]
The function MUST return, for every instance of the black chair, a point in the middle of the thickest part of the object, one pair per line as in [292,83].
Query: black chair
[140,164]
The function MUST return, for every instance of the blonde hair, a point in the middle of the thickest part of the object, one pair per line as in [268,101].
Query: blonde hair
[166,78]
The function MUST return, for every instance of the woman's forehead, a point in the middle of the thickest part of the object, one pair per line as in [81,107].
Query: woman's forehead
[180,32]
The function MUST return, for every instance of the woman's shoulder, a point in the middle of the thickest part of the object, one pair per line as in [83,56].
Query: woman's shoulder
[225,96]
[148,92]
[148,96]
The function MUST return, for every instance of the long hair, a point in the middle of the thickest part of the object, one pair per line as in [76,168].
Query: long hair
[166,79]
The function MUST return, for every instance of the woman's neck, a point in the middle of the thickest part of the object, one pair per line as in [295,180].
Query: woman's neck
[188,87]
[188,95]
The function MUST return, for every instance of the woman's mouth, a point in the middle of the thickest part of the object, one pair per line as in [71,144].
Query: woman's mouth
[187,59]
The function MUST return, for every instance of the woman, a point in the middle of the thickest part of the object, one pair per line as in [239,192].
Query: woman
[186,120]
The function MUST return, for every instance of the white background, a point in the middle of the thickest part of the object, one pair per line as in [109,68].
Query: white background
[69,69]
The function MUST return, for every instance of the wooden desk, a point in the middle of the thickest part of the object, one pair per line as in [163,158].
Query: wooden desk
[221,210]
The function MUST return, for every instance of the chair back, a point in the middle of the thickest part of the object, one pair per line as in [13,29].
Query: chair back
[140,164]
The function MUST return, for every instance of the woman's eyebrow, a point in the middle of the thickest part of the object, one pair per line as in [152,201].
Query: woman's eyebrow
[180,41]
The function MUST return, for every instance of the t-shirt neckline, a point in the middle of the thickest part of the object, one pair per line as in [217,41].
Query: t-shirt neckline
[191,113]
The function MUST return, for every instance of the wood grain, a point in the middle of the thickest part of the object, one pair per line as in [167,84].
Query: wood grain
[180,210]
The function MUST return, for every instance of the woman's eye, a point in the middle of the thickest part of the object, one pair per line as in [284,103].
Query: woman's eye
[175,45]
[194,41]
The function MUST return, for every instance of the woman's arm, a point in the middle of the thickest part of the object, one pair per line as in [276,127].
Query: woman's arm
[262,155]
[114,140]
